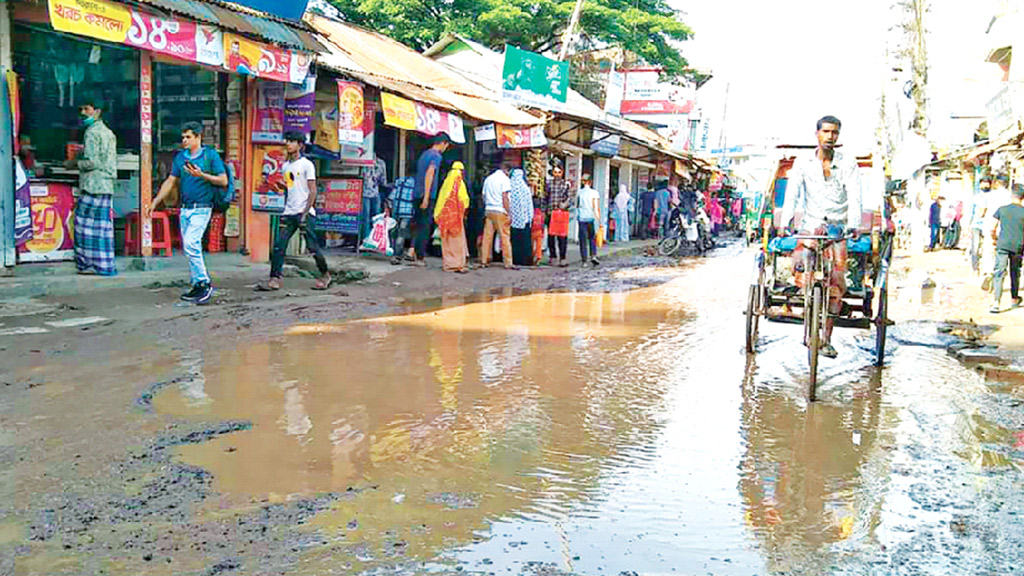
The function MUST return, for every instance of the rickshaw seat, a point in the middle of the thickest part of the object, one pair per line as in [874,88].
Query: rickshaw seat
[780,245]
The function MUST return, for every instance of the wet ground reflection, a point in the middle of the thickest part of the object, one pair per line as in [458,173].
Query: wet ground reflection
[600,433]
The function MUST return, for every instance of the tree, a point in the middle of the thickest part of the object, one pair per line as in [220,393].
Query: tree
[648,28]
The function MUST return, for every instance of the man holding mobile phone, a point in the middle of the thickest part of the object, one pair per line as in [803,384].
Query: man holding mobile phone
[198,171]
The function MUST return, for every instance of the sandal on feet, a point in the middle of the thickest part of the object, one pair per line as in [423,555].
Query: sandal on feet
[272,286]
[323,283]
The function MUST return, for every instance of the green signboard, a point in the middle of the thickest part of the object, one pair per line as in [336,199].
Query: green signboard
[529,79]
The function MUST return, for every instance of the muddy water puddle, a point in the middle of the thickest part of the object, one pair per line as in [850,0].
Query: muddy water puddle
[601,433]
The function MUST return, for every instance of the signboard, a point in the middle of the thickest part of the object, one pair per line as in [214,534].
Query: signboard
[52,224]
[484,133]
[117,23]
[338,203]
[605,143]
[1000,112]
[268,194]
[646,94]
[509,137]
[350,112]
[250,58]
[530,79]
[409,115]
[268,119]
[615,92]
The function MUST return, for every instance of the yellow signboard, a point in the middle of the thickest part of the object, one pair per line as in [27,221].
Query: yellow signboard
[93,18]
[398,111]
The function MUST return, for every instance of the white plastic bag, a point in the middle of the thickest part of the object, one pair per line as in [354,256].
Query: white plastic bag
[379,239]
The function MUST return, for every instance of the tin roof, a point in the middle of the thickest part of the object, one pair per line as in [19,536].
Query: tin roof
[383,62]
[243,20]
[483,66]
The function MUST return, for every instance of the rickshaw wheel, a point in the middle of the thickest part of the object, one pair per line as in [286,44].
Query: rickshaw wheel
[813,320]
[753,310]
[881,323]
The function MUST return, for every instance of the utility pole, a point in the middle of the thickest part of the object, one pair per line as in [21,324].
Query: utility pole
[725,112]
[570,32]
[915,26]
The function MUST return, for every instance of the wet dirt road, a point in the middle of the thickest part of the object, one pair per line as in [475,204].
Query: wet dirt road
[607,429]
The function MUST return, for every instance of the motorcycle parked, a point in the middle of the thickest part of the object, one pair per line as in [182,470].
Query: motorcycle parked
[685,231]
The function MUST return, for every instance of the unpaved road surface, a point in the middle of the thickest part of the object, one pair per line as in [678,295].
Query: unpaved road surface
[598,421]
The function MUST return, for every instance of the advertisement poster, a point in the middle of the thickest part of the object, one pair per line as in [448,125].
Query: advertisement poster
[350,112]
[643,178]
[173,37]
[259,60]
[338,203]
[510,137]
[52,224]
[22,205]
[268,193]
[325,129]
[646,94]
[572,170]
[533,80]
[93,18]
[398,111]
[362,153]
[299,100]
[268,121]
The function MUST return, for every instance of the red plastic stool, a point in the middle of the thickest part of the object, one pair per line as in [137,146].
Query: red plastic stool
[215,242]
[132,240]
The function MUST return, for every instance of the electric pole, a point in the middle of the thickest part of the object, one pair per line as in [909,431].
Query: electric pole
[570,32]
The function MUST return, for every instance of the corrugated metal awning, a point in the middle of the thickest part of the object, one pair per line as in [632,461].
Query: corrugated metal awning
[243,20]
[380,61]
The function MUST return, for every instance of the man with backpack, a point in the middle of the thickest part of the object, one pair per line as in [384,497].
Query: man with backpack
[200,175]
[299,212]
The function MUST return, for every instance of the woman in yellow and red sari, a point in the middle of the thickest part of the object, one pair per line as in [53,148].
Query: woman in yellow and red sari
[449,213]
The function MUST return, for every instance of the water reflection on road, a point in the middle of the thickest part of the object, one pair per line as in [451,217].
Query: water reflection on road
[599,432]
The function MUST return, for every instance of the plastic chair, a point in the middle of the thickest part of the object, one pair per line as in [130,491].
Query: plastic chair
[161,241]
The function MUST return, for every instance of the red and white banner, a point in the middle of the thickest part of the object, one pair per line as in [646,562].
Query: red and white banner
[646,94]
[431,121]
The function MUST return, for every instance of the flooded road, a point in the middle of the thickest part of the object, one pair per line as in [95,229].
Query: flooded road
[594,432]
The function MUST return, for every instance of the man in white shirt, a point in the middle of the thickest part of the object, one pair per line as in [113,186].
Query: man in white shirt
[300,187]
[496,189]
[825,190]
[588,216]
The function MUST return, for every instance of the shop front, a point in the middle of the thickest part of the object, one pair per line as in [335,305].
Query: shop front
[150,73]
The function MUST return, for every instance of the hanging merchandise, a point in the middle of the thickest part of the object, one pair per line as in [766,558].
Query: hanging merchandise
[536,171]
[268,121]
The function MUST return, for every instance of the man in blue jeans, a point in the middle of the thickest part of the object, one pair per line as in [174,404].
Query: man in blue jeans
[197,171]
[935,222]
[299,213]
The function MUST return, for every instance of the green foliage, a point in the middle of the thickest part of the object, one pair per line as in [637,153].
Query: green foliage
[648,28]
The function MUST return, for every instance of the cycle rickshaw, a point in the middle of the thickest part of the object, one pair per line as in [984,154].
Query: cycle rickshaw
[775,296]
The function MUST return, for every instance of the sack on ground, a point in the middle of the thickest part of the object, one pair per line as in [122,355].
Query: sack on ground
[379,239]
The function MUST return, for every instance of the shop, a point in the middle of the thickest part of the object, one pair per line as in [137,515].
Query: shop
[150,72]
